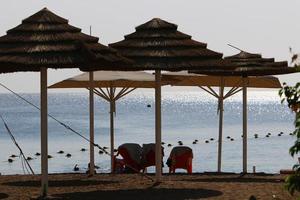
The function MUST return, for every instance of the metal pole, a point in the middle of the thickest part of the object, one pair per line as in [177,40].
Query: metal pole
[244,124]
[221,105]
[92,153]
[158,156]
[112,102]
[44,132]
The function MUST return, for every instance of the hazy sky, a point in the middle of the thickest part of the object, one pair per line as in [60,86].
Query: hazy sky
[262,26]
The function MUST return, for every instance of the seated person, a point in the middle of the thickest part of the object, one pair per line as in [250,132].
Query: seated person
[131,154]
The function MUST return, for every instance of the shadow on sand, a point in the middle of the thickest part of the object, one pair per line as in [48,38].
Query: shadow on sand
[60,183]
[235,180]
[3,196]
[150,193]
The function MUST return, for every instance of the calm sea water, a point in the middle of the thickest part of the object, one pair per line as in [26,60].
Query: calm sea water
[186,116]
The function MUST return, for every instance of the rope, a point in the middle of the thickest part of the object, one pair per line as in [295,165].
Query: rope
[52,117]
[69,128]
[17,145]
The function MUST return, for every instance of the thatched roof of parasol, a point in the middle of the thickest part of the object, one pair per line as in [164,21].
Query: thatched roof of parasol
[249,64]
[47,40]
[158,44]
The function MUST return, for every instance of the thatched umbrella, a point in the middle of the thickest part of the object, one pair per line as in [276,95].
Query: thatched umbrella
[249,64]
[157,45]
[207,82]
[45,40]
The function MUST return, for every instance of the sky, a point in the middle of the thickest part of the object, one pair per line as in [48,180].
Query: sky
[268,27]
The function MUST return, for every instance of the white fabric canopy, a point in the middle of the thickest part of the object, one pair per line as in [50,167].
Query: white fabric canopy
[130,79]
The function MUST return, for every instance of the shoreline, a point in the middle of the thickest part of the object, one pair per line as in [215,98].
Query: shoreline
[135,186]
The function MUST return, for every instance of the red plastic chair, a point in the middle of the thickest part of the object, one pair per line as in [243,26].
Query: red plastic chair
[148,155]
[181,158]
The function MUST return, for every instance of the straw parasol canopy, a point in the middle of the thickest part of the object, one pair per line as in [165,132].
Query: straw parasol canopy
[47,40]
[249,64]
[158,45]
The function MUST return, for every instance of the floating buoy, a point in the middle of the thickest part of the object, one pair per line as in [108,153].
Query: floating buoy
[96,167]
[148,106]
[49,156]
[180,143]
[212,139]
[60,152]
[82,149]
[163,143]
[267,135]
[115,150]
[231,139]
[100,152]
[68,155]
[228,137]
[194,142]
[291,134]
[279,134]
[37,154]
[105,147]
[13,156]
[255,135]
[28,158]
[169,145]
[206,141]
[242,135]
[76,168]
[10,160]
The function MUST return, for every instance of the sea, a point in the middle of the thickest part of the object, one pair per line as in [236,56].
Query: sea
[186,116]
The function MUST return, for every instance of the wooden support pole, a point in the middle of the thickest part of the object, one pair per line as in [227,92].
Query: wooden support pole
[44,132]
[158,156]
[91,98]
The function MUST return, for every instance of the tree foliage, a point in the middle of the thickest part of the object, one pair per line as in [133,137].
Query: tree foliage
[291,95]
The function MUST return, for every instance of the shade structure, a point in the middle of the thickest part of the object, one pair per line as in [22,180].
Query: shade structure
[46,40]
[158,45]
[115,79]
[106,84]
[206,82]
[249,64]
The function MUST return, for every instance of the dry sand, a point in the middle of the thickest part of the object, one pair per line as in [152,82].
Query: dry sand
[134,186]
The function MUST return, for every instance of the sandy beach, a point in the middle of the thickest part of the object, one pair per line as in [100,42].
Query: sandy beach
[134,186]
